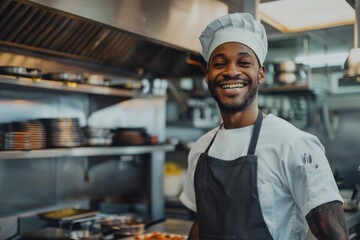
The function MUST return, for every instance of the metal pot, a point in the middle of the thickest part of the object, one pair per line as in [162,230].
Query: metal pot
[123,225]
[20,71]
[84,235]
[352,63]
[64,77]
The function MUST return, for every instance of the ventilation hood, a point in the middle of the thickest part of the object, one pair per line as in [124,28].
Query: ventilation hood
[157,38]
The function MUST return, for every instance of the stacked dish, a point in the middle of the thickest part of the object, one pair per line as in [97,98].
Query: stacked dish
[63,132]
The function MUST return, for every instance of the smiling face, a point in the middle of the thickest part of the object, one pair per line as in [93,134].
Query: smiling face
[234,76]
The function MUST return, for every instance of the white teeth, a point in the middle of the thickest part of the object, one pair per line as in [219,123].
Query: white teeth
[235,85]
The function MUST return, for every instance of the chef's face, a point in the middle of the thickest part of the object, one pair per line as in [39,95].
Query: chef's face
[233,76]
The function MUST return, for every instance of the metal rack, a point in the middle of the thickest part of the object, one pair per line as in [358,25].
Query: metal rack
[67,87]
[87,99]
[84,152]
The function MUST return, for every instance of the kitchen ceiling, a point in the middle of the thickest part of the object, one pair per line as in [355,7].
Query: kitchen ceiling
[27,26]
[330,40]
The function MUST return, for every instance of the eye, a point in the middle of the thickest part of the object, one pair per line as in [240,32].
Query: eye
[218,64]
[244,63]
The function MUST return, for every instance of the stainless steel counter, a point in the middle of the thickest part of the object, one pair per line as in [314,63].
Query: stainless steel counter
[182,227]
[171,226]
[174,226]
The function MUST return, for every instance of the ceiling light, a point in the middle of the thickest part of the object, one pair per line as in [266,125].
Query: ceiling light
[303,15]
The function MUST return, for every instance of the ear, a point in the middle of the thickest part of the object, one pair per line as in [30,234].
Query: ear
[261,75]
[207,76]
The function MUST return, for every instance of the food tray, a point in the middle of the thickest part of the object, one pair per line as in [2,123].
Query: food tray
[67,214]
[159,236]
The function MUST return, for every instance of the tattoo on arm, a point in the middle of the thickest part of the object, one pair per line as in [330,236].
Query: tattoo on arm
[194,232]
[327,221]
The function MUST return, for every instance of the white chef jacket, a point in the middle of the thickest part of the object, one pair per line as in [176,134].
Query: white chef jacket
[294,175]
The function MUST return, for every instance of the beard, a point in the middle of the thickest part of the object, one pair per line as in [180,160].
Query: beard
[234,106]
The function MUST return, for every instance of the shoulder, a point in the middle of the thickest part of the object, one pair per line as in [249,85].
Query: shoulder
[283,132]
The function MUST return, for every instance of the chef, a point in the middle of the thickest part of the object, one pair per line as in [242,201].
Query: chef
[256,176]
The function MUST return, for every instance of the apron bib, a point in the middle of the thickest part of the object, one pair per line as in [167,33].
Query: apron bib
[227,201]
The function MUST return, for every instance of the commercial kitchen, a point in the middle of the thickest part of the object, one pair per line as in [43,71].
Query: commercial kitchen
[100,102]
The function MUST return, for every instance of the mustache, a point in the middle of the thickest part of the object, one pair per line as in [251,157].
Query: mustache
[235,78]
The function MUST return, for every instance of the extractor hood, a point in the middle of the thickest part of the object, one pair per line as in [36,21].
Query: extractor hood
[134,37]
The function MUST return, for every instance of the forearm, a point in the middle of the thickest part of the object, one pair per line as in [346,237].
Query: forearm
[194,232]
[327,221]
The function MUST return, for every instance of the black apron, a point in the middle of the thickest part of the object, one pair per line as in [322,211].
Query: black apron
[226,193]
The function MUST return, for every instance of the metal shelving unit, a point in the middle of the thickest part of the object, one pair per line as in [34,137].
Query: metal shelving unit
[281,89]
[66,87]
[89,98]
[84,151]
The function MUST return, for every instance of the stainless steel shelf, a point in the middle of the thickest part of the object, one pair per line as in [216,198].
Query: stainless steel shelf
[84,151]
[303,87]
[61,86]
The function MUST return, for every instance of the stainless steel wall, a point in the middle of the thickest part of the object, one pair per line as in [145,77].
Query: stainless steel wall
[344,152]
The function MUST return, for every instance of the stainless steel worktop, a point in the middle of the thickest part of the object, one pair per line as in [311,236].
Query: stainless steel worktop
[174,226]
[171,226]
[182,227]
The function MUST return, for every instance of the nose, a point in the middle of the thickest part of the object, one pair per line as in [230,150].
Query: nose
[231,72]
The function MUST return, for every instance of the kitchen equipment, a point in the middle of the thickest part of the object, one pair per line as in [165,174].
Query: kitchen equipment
[133,136]
[45,234]
[98,136]
[63,132]
[64,77]
[351,202]
[285,77]
[20,71]
[36,130]
[352,63]
[84,235]
[160,236]
[174,176]
[123,225]
[129,85]
[17,141]
[95,79]
[286,66]
[66,215]
[289,72]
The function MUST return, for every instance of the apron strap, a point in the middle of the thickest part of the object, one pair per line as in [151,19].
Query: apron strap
[255,134]
[212,140]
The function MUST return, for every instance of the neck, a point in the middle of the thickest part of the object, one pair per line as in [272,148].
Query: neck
[240,119]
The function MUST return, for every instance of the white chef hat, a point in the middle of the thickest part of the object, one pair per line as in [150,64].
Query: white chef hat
[235,27]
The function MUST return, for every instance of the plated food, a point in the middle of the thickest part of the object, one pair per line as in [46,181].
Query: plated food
[160,236]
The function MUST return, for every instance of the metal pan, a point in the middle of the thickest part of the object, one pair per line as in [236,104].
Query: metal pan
[20,71]
[64,77]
